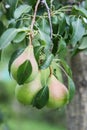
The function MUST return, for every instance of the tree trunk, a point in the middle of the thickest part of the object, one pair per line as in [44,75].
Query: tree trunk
[77,109]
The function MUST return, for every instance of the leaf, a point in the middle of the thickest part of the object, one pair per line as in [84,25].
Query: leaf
[45,40]
[62,23]
[57,71]
[20,10]
[83,43]
[62,49]
[7,37]
[19,37]
[48,61]
[23,72]
[41,98]
[13,57]
[44,32]
[78,31]
[2,26]
[43,26]
[12,5]
[79,11]
[31,2]
[66,67]
[37,51]
[54,20]
[71,87]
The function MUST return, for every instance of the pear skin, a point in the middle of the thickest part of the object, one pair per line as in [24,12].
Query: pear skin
[28,54]
[58,93]
[25,93]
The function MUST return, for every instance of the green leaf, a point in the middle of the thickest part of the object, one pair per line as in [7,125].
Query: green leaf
[83,43]
[13,57]
[20,10]
[62,49]
[62,23]
[7,37]
[71,87]
[12,5]
[79,11]
[19,37]
[23,72]
[86,4]
[57,71]
[48,61]
[66,67]
[2,27]
[78,31]
[45,40]
[43,26]
[44,32]
[31,2]
[37,51]
[41,98]
[54,20]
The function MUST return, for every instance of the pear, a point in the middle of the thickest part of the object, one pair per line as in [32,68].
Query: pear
[58,93]
[45,73]
[28,54]
[25,93]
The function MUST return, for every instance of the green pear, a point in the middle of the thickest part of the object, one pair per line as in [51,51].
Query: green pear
[28,54]
[58,93]
[45,73]
[25,93]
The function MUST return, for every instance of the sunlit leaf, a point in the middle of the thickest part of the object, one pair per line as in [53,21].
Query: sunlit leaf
[20,10]
[80,11]
[78,31]
[48,61]
[83,43]
[19,37]
[7,37]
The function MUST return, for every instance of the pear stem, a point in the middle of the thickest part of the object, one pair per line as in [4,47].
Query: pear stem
[33,21]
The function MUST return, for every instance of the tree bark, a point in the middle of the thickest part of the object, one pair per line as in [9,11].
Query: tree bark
[77,109]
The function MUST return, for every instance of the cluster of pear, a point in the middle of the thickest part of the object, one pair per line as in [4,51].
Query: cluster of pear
[26,92]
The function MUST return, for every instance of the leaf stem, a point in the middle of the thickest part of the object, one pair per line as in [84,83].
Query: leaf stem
[33,21]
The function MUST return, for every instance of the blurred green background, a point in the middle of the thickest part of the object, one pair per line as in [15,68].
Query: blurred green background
[15,116]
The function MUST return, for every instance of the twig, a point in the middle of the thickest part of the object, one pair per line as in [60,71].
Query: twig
[49,16]
[33,21]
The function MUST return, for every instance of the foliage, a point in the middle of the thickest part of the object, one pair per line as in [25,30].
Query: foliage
[69,32]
